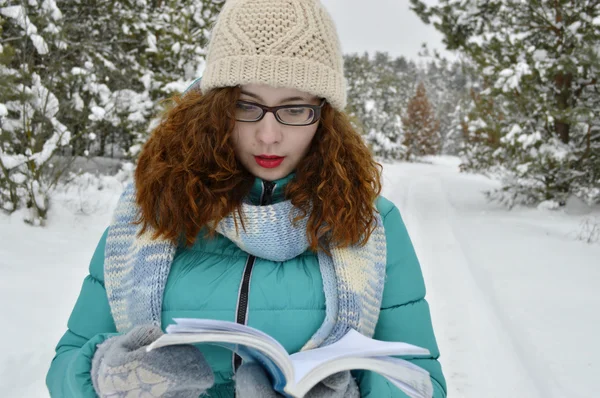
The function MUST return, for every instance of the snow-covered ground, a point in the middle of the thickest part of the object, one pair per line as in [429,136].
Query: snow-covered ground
[513,294]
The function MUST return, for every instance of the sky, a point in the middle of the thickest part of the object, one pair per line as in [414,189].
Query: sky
[382,25]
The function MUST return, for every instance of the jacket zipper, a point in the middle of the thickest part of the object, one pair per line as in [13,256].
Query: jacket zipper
[266,198]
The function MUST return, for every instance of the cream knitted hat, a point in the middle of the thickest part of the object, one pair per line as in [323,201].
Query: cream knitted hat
[282,43]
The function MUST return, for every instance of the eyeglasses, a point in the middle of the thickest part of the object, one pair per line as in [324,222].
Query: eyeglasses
[291,115]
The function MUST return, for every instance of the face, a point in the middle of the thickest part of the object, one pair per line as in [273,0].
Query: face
[267,137]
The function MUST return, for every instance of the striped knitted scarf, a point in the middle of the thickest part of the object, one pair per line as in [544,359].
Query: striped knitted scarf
[136,268]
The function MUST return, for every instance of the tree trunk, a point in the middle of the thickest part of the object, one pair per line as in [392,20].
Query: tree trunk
[102,143]
[562,83]
[562,131]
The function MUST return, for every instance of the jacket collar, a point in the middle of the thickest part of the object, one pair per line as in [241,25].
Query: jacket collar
[278,193]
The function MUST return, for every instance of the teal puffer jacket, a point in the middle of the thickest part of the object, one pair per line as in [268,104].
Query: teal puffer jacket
[284,299]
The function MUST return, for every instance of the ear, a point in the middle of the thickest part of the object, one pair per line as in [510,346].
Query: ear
[194,86]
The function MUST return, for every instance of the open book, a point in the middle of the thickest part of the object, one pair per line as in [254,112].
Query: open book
[294,375]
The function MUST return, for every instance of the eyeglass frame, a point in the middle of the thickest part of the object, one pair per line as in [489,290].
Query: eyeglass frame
[273,109]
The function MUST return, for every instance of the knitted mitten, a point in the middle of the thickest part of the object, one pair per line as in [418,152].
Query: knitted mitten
[251,381]
[122,367]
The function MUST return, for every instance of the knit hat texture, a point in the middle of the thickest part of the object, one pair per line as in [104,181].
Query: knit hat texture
[282,43]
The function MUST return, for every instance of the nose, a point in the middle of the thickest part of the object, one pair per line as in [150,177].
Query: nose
[268,130]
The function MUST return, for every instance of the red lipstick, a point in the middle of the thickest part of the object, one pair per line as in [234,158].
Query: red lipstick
[269,161]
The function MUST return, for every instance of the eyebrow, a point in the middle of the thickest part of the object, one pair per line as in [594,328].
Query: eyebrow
[258,97]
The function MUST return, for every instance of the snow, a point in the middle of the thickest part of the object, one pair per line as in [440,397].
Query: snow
[146,80]
[488,70]
[44,100]
[50,5]
[151,43]
[556,150]
[574,26]
[76,71]
[52,28]
[381,142]
[19,14]
[540,55]
[97,113]
[548,205]
[11,161]
[510,78]
[513,293]
[40,44]
[529,139]
[78,101]
[178,86]
[58,139]
[516,129]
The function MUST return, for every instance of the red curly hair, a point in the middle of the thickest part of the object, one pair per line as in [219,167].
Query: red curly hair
[188,176]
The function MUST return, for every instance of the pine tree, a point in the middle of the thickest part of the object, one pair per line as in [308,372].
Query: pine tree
[131,55]
[539,65]
[105,64]
[379,88]
[421,128]
[360,77]
[447,85]
[31,129]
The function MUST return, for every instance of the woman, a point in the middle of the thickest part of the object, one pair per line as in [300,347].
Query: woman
[254,201]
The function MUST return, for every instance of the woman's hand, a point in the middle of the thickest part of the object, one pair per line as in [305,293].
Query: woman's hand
[251,381]
[122,365]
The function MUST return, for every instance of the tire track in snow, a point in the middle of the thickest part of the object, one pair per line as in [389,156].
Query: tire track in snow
[528,352]
[477,353]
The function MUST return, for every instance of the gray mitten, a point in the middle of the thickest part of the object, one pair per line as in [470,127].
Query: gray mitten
[251,381]
[122,367]
[338,385]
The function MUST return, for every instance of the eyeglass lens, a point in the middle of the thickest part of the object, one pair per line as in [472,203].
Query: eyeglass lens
[296,115]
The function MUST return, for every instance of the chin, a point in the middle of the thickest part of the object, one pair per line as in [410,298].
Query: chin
[270,175]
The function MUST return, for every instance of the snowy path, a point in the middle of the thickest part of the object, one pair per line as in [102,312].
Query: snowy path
[454,286]
[505,288]
[514,297]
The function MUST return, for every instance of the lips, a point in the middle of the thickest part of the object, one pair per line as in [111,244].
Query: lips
[269,161]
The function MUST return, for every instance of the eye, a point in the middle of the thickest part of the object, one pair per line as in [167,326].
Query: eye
[247,112]
[245,107]
[296,111]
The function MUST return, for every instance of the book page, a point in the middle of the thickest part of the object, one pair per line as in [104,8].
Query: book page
[196,325]
[353,344]
[213,324]
[408,377]
[408,390]
[248,346]
[249,343]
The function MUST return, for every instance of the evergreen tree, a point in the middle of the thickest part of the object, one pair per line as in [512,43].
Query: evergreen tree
[360,78]
[380,87]
[421,128]
[105,65]
[446,84]
[130,56]
[539,65]
[31,130]
[379,90]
